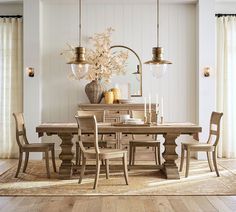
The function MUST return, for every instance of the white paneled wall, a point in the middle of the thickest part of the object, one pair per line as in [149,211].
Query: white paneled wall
[135,26]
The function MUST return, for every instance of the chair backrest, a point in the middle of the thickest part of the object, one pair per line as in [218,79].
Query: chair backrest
[139,114]
[20,129]
[87,124]
[100,114]
[214,132]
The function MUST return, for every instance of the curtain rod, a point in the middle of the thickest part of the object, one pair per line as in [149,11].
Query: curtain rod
[10,16]
[220,15]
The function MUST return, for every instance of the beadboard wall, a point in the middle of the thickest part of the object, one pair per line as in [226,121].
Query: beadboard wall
[135,26]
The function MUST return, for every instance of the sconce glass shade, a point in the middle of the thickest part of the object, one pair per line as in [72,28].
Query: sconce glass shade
[158,66]
[79,66]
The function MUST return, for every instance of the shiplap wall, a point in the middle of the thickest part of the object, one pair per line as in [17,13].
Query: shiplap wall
[135,26]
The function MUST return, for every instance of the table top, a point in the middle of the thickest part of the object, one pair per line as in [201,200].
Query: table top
[180,128]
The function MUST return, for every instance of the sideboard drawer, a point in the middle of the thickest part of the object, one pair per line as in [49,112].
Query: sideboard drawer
[116,112]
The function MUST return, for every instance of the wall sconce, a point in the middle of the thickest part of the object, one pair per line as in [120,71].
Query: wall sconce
[207,71]
[30,71]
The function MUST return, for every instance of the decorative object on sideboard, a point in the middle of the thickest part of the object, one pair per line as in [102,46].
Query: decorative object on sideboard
[116,95]
[94,90]
[157,64]
[30,71]
[79,64]
[207,71]
[109,97]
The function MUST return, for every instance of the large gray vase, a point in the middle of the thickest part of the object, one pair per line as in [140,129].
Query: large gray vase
[94,91]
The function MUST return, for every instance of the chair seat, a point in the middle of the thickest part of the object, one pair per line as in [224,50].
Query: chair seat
[38,146]
[144,143]
[105,153]
[198,146]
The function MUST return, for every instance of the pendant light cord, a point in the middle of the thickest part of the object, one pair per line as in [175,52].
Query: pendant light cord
[80,21]
[158,7]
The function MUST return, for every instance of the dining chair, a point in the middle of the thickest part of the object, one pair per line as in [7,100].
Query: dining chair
[26,147]
[143,143]
[89,124]
[88,140]
[209,147]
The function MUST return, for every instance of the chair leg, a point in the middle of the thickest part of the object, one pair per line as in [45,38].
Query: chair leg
[215,163]
[187,163]
[107,168]
[26,161]
[98,164]
[77,149]
[159,154]
[82,170]
[155,152]
[53,160]
[182,158]
[124,159]
[133,155]
[47,163]
[130,153]
[209,161]
[80,156]
[19,164]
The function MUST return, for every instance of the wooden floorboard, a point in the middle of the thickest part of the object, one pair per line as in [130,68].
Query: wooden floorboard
[118,203]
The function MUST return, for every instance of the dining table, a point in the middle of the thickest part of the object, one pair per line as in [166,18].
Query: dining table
[170,132]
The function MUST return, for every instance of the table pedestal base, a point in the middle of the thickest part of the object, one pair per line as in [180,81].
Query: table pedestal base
[66,156]
[170,168]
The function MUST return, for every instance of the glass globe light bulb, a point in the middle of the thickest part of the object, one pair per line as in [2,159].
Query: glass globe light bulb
[158,70]
[79,70]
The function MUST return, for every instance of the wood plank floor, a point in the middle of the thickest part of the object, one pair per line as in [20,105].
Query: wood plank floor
[116,203]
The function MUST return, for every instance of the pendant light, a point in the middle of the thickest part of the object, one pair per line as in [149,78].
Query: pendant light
[79,66]
[158,65]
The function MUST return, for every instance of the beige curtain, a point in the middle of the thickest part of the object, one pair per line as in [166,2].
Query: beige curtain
[226,84]
[11,83]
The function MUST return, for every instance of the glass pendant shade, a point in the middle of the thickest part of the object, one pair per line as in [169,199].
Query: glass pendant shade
[79,66]
[79,70]
[157,65]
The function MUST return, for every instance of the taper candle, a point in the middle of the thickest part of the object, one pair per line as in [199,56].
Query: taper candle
[162,106]
[149,103]
[145,107]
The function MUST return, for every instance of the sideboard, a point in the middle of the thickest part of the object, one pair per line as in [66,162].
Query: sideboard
[113,113]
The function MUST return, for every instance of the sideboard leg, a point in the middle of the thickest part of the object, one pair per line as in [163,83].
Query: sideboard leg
[170,168]
[66,156]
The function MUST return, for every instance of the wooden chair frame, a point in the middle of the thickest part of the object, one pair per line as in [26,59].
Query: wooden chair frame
[26,147]
[89,123]
[209,147]
[144,143]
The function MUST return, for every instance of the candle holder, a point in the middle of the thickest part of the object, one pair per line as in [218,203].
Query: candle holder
[145,119]
[162,120]
[149,118]
[156,114]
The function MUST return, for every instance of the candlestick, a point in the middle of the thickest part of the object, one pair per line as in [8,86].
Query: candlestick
[162,106]
[162,119]
[145,107]
[149,103]
[157,103]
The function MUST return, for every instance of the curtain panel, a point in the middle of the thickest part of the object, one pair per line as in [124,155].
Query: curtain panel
[11,83]
[226,84]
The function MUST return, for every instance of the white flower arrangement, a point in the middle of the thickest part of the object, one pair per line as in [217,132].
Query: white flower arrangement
[104,63]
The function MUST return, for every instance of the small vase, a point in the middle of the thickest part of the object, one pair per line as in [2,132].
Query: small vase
[109,97]
[94,91]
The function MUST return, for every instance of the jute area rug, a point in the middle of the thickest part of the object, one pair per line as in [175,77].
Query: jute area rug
[141,182]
